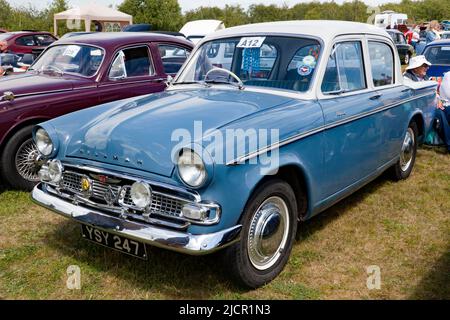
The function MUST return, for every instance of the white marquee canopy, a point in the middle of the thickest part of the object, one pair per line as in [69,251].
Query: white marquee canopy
[91,13]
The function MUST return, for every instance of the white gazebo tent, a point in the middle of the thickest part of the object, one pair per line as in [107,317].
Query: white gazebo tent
[91,13]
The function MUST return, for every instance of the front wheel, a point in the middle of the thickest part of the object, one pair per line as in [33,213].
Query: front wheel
[404,166]
[269,224]
[20,160]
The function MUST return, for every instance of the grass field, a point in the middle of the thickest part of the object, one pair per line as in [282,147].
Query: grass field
[404,228]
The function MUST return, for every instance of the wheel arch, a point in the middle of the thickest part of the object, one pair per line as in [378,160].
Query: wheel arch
[418,118]
[18,126]
[295,175]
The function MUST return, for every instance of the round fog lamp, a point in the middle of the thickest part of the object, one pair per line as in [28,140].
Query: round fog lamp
[141,194]
[55,171]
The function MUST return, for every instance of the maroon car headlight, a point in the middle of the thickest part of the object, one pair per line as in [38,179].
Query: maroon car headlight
[43,142]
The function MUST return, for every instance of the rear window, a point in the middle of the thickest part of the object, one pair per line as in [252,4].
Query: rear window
[4,36]
[438,55]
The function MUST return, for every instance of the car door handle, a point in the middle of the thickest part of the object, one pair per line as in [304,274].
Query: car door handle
[375,97]
[159,80]
[340,113]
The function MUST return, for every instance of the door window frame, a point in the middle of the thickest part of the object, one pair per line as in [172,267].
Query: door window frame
[132,78]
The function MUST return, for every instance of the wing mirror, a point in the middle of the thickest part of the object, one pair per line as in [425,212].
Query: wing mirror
[169,80]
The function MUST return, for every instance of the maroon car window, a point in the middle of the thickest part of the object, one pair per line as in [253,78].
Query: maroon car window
[132,62]
[172,57]
[44,40]
[26,41]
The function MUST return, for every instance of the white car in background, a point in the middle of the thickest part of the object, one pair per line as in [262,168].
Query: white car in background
[198,29]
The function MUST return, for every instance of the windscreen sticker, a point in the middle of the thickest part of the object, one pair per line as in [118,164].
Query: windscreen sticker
[96,53]
[251,60]
[304,70]
[251,42]
[71,51]
[309,61]
[445,48]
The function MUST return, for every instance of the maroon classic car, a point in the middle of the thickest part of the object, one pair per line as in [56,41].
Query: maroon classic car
[76,73]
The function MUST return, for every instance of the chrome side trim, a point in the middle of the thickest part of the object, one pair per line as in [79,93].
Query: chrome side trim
[42,92]
[153,235]
[305,134]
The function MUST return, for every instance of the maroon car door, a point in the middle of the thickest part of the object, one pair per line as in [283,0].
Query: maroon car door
[132,72]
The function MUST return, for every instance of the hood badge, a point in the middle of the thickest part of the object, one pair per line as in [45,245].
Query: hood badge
[105,179]
[110,196]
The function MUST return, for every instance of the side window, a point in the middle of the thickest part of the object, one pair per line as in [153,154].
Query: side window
[44,40]
[382,63]
[117,70]
[345,69]
[132,62]
[172,57]
[26,41]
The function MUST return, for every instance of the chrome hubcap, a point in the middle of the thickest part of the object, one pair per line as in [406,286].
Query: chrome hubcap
[268,233]
[28,161]
[407,150]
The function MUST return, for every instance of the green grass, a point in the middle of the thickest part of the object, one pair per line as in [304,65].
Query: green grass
[403,227]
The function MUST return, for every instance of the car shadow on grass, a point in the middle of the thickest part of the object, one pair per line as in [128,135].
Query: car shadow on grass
[167,274]
[436,283]
[310,227]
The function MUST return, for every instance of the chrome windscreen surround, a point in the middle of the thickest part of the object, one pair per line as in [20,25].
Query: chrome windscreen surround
[110,192]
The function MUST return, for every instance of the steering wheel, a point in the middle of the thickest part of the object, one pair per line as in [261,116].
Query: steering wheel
[51,67]
[232,74]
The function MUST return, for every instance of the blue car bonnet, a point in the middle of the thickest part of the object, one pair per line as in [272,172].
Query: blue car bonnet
[137,133]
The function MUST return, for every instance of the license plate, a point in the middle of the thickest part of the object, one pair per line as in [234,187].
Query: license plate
[113,241]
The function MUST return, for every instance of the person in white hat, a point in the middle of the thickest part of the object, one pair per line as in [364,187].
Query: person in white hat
[417,69]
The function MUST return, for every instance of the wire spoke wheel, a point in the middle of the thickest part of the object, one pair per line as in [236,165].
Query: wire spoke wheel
[27,161]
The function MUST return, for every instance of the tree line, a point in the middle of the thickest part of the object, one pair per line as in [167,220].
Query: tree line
[167,14]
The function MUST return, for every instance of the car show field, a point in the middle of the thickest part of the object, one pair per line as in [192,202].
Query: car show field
[404,228]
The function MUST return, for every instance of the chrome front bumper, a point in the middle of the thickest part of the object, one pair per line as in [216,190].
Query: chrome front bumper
[160,237]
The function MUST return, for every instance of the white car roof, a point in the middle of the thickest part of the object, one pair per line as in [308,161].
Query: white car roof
[201,27]
[324,29]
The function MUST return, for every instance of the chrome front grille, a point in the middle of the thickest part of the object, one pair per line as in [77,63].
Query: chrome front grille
[170,206]
[72,182]
[99,189]
[161,204]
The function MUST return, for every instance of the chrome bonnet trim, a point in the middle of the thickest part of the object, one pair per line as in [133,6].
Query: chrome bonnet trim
[156,236]
[305,134]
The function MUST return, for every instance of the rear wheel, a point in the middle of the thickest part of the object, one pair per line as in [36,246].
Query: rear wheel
[404,166]
[21,161]
[269,224]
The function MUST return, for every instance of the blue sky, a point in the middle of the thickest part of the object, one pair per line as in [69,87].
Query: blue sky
[186,4]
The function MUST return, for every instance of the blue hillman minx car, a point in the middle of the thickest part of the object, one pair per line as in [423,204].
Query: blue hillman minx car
[438,53]
[326,104]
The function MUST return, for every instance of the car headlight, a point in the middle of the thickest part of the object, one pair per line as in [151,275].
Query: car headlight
[141,194]
[191,168]
[43,142]
[55,171]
